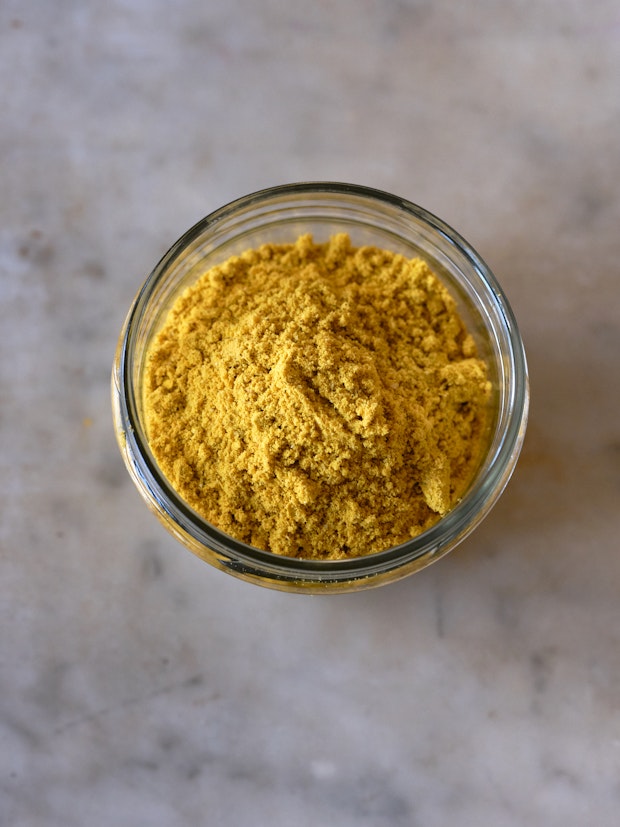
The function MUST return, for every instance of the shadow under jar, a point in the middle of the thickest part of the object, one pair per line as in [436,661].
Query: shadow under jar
[370,217]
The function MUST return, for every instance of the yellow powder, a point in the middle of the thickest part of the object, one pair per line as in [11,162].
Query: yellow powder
[317,400]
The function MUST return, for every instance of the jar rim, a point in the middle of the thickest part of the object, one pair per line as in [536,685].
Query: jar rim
[242,558]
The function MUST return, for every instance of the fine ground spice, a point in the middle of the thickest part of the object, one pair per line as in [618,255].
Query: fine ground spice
[317,400]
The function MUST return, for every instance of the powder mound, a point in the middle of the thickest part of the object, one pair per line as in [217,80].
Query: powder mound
[317,400]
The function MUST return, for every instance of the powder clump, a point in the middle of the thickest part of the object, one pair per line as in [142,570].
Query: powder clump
[317,400]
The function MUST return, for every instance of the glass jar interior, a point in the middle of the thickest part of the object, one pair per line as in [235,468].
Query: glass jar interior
[280,216]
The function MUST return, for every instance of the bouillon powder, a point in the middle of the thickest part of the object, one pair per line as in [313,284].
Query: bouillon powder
[317,400]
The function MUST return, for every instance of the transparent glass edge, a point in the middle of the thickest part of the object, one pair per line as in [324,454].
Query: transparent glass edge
[247,556]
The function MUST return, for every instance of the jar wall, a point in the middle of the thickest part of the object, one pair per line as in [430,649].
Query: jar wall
[280,215]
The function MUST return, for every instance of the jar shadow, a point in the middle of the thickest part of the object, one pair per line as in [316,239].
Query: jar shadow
[562,500]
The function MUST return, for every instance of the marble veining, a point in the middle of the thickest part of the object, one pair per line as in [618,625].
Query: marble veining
[139,686]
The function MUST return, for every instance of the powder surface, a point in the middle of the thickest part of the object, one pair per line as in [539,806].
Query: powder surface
[317,400]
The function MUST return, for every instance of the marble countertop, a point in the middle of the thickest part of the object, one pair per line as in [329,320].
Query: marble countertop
[139,686]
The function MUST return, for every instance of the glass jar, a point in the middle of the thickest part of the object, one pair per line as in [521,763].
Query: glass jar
[280,215]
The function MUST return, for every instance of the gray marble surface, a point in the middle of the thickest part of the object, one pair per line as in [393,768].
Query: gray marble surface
[139,686]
